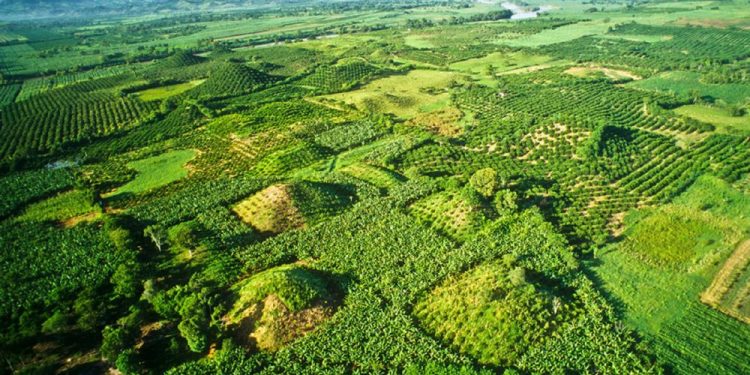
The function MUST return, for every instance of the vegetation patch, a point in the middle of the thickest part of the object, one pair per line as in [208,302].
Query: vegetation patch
[271,210]
[499,62]
[456,213]
[282,207]
[445,122]
[689,86]
[672,235]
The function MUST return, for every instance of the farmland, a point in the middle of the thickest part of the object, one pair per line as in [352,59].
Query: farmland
[416,186]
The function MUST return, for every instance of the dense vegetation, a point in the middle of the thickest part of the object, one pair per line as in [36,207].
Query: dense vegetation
[420,186]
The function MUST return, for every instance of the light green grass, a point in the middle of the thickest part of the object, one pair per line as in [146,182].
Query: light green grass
[683,83]
[163,92]
[402,95]
[500,62]
[561,34]
[717,116]
[60,207]
[418,41]
[156,171]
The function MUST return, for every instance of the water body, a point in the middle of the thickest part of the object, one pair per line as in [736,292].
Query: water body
[520,13]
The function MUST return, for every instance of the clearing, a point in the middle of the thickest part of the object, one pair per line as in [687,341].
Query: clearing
[405,96]
[163,92]
[720,117]
[156,172]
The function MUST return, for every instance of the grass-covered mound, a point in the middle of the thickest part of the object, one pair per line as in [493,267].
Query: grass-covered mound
[228,79]
[493,312]
[181,59]
[345,75]
[279,305]
[455,213]
[282,207]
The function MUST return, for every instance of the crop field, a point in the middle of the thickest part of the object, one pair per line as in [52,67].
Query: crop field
[383,186]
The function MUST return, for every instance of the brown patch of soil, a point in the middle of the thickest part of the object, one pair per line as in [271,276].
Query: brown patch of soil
[443,122]
[269,325]
[73,221]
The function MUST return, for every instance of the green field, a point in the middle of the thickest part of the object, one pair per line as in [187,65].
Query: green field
[716,116]
[159,93]
[156,171]
[685,83]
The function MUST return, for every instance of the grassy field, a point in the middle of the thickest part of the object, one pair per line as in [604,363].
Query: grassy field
[163,92]
[418,41]
[155,172]
[683,83]
[717,116]
[593,71]
[402,95]
[561,34]
[499,62]
[67,208]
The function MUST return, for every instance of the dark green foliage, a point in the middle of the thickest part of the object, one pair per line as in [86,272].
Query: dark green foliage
[351,135]
[342,76]
[23,187]
[8,93]
[54,263]
[230,79]
[71,115]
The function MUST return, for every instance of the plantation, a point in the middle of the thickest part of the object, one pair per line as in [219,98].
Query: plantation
[412,186]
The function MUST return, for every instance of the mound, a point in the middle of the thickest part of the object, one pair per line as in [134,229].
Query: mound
[279,305]
[282,207]
[234,79]
[493,312]
[451,213]
[182,59]
[271,210]
[342,76]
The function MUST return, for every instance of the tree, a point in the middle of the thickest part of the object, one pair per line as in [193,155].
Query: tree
[114,341]
[125,280]
[194,334]
[127,362]
[184,235]
[505,201]
[89,311]
[55,323]
[517,276]
[157,235]
[484,181]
